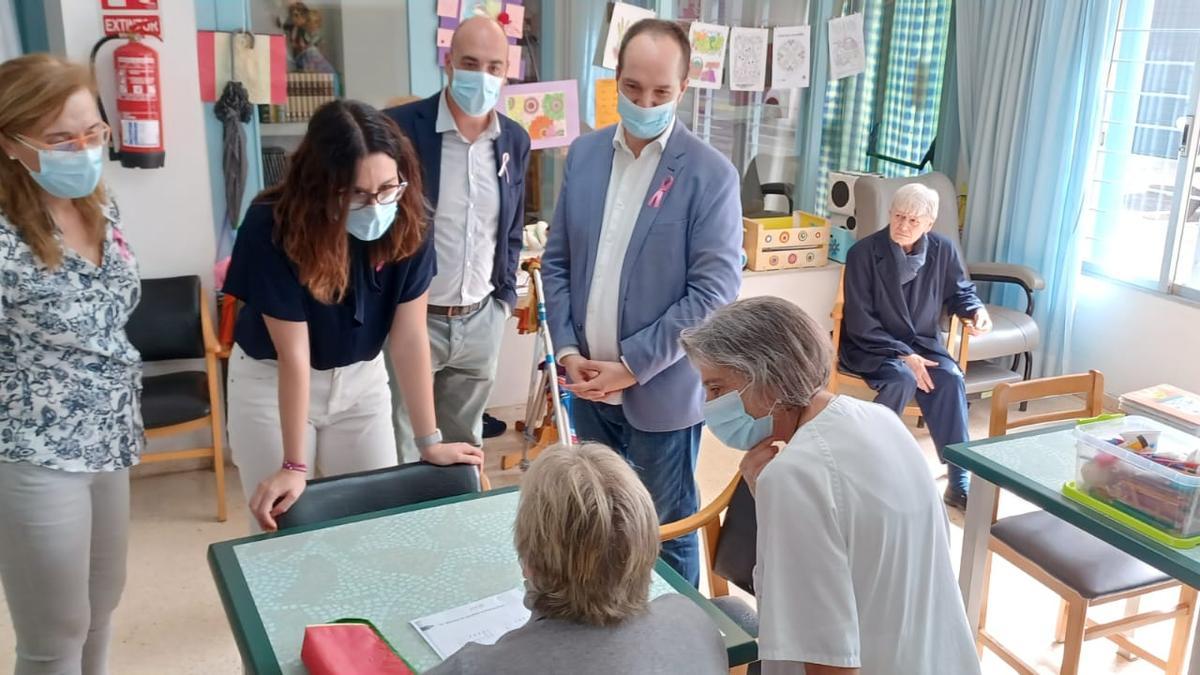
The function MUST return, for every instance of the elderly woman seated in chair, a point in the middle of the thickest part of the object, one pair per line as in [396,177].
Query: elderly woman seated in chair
[899,283]
[853,569]
[587,537]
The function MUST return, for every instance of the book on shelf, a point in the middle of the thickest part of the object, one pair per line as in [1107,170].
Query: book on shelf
[1166,403]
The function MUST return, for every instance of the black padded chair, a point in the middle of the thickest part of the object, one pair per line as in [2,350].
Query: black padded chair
[172,323]
[730,552]
[754,191]
[354,494]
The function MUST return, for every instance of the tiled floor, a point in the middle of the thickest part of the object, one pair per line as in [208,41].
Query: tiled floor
[170,619]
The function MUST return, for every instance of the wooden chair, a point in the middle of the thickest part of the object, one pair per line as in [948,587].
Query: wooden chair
[1080,568]
[957,340]
[735,557]
[172,323]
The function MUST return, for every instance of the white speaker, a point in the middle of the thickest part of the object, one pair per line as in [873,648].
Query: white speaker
[840,197]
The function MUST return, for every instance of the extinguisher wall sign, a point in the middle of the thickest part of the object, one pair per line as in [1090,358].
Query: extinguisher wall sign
[139,106]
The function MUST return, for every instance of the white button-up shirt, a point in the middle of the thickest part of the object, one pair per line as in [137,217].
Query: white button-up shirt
[467,220]
[627,187]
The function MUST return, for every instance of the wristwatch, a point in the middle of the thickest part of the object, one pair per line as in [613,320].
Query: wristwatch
[429,441]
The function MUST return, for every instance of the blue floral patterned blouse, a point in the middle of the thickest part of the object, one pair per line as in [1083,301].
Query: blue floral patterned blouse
[70,381]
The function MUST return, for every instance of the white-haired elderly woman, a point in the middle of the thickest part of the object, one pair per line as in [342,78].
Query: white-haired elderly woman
[853,569]
[587,537]
[898,284]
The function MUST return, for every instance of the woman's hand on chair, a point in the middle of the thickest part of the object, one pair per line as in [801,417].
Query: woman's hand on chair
[445,454]
[275,495]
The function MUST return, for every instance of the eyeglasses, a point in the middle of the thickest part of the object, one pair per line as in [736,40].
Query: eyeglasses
[362,199]
[97,138]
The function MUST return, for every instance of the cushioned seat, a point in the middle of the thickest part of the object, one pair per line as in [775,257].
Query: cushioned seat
[174,398]
[1012,332]
[353,494]
[984,376]
[1089,566]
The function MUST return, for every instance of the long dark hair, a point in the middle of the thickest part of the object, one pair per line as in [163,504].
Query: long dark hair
[313,201]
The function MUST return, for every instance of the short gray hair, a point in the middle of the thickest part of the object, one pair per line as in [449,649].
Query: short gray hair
[772,342]
[915,199]
[587,535]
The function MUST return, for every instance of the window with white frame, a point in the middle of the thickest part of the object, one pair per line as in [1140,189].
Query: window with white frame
[1142,218]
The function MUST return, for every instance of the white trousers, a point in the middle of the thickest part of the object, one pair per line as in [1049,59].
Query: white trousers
[349,425]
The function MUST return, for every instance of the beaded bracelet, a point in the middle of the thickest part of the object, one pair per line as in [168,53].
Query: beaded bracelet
[293,466]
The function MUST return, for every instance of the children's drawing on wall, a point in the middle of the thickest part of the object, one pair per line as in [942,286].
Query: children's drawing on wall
[790,57]
[748,58]
[302,27]
[549,111]
[846,53]
[708,55]
[623,17]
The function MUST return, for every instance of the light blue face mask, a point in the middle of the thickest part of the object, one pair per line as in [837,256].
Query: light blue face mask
[475,91]
[727,419]
[371,222]
[68,174]
[645,122]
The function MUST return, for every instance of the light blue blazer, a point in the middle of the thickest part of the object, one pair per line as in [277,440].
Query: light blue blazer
[683,262]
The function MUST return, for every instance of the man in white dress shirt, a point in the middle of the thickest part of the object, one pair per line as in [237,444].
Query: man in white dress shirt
[473,161]
[646,241]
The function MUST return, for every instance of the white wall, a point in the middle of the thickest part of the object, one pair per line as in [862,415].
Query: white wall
[1136,338]
[375,49]
[167,212]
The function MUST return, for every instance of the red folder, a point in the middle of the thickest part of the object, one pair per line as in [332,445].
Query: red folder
[350,648]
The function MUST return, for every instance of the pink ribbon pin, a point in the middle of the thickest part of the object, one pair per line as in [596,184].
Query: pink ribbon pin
[122,247]
[656,199]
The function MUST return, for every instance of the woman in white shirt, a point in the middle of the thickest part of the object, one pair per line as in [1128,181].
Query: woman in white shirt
[853,572]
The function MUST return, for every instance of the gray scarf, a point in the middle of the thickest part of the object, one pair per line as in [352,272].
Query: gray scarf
[907,265]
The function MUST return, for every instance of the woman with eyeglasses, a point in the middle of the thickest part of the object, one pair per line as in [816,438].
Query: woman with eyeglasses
[332,265]
[70,425]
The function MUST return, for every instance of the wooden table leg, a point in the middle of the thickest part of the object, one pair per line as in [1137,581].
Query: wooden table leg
[1194,666]
[976,533]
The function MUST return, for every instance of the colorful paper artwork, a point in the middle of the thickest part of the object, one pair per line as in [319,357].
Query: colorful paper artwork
[606,103]
[748,59]
[846,53]
[707,68]
[549,111]
[623,17]
[453,12]
[515,28]
[790,57]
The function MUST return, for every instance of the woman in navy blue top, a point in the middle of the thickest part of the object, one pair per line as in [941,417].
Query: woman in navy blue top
[332,265]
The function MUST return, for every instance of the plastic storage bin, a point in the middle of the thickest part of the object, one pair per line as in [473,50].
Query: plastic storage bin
[1159,495]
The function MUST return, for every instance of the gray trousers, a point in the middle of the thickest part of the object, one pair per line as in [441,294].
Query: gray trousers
[464,352]
[63,542]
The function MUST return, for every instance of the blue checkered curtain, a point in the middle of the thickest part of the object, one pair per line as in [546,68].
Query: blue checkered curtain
[849,108]
[913,70]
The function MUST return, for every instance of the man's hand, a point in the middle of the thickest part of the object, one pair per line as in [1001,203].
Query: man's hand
[919,365]
[579,369]
[605,378]
[755,460]
[982,323]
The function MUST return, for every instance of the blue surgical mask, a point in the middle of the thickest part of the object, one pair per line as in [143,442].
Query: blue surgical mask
[475,91]
[727,419]
[642,122]
[371,222]
[69,174]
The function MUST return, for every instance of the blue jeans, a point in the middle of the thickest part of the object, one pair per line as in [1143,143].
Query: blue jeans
[944,408]
[666,463]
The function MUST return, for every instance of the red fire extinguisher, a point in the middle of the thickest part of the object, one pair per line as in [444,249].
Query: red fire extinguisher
[139,121]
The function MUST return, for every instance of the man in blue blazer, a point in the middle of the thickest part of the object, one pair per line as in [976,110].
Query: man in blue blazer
[899,282]
[646,241]
[473,163]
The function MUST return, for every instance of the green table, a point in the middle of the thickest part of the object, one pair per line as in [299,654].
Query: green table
[1034,466]
[389,567]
